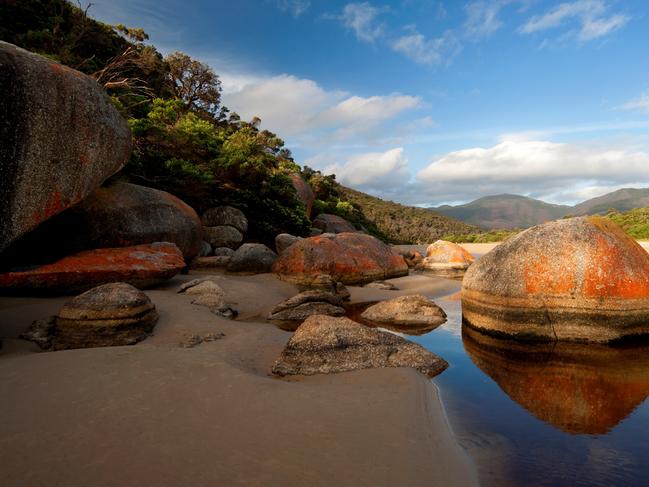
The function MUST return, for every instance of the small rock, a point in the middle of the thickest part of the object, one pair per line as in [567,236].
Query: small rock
[314,232]
[326,345]
[212,337]
[223,251]
[382,285]
[284,241]
[211,262]
[225,215]
[190,341]
[413,310]
[206,249]
[41,332]
[184,287]
[210,300]
[252,258]
[225,312]
[223,236]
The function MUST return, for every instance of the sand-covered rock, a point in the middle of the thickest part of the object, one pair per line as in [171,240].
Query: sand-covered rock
[140,265]
[332,224]
[351,258]
[578,279]
[327,345]
[253,258]
[60,138]
[223,236]
[289,314]
[446,257]
[225,215]
[413,310]
[109,315]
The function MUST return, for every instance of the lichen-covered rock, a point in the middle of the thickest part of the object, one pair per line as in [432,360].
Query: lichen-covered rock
[289,314]
[326,345]
[578,279]
[223,236]
[332,224]
[60,138]
[225,215]
[140,265]
[109,315]
[446,256]
[351,258]
[406,311]
[252,258]
[303,192]
[284,241]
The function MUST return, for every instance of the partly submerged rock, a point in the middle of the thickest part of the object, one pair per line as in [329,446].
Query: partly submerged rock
[289,314]
[446,258]
[225,215]
[578,279]
[351,258]
[253,258]
[326,345]
[332,224]
[108,315]
[60,138]
[140,265]
[414,311]
[223,236]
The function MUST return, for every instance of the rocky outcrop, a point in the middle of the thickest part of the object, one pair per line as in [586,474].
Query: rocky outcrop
[289,314]
[109,315]
[252,258]
[303,192]
[223,236]
[326,345]
[445,257]
[332,224]
[577,388]
[140,265]
[60,138]
[225,215]
[414,311]
[284,241]
[351,258]
[579,279]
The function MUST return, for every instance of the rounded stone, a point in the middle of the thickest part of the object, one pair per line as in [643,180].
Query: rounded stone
[225,215]
[580,279]
[252,258]
[223,236]
[443,255]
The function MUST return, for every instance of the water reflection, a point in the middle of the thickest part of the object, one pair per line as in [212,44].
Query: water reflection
[578,388]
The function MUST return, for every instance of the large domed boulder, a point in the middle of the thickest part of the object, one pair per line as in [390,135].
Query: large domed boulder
[303,192]
[579,279]
[350,258]
[328,345]
[445,257]
[332,224]
[109,315]
[141,266]
[60,138]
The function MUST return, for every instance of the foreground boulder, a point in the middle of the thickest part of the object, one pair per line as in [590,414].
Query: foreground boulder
[332,224]
[141,266]
[253,258]
[60,138]
[327,345]
[289,314]
[579,279]
[447,258]
[109,315]
[351,258]
[414,311]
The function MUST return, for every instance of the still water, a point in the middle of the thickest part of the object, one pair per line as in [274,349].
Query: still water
[544,415]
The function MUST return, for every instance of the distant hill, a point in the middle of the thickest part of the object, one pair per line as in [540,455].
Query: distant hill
[405,224]
[621,200]
[504,211]
[508,211]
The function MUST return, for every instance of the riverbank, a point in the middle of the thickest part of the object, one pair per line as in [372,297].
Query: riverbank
[160,414]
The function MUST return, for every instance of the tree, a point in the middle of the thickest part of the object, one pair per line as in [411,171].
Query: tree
[194,83]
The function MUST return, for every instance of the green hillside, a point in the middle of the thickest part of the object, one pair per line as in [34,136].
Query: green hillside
[635,222]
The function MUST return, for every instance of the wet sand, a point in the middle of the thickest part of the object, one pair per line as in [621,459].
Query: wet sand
[158,414]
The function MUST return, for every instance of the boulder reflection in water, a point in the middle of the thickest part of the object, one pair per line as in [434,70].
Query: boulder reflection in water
[578,388]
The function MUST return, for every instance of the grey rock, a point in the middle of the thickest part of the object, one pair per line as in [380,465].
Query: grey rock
[284,241]
[413,310]
[223,251]
[223,236]
[252,258]
[41,332]
[382,285]
[332,224]
[206,249]
[225,215]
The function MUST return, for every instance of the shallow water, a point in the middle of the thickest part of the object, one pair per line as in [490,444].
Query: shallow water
[546,415]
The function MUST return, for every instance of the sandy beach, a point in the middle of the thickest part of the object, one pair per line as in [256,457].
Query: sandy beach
[159,414]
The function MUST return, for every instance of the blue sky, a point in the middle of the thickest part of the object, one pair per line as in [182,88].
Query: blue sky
[431,101]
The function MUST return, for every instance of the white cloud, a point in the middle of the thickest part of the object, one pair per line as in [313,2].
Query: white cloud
[482,17]
[361,18]
[373,171]
[534,167]
[592,17]
[641,103]
[299,109]
[427,51]
[295,7]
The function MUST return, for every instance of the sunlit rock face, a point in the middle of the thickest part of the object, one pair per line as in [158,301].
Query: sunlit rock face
[447,258]
[580,279]
[578,388]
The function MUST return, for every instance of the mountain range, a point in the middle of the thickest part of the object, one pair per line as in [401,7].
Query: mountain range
[511,211]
